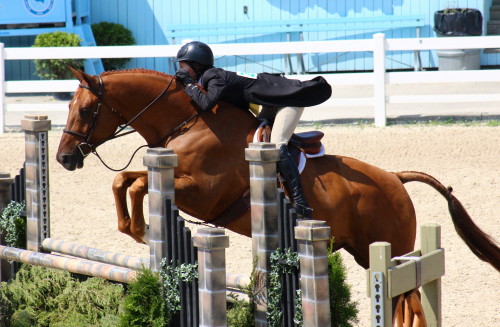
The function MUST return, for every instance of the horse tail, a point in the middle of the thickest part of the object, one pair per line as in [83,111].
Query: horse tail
[480,243]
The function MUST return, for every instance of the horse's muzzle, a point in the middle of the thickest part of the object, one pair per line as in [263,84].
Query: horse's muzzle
[71,161]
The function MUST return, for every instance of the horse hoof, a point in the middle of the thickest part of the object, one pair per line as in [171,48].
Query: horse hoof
[146,237]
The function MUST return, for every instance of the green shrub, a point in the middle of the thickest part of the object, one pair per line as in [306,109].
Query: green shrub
[144,303]
[106,34]
[241,313]
[343,311]
[14,225]
[45,297]
[57,68]
[153,298]
[282,262]
[24,318]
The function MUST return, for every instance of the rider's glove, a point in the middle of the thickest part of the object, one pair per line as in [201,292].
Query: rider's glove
[184,77]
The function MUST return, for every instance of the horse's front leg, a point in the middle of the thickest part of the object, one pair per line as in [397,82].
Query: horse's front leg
[137,191]
[121,183]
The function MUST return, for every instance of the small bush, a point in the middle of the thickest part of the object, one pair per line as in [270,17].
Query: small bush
[153,299]
[106,34]
[241,313]
[144,303]
[45,297]
[57,68]
[343,311]
[13,225]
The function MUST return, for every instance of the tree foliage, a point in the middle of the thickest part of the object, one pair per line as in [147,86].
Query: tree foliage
[57,68]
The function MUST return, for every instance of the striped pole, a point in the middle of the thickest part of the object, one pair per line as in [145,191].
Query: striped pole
[234,282]
[85,252]
[73,265]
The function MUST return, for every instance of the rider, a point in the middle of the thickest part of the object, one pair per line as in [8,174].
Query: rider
[281,99]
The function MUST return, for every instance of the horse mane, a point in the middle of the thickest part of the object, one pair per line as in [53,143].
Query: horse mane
[135,71]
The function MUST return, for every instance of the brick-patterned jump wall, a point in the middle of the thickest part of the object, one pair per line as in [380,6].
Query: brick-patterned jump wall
[160,163]
[211,244]
[36,129]
[264,212]
[312,237]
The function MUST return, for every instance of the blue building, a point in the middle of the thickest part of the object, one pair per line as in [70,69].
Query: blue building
[247,21]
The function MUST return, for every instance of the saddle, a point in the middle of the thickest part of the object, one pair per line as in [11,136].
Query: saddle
[302,145]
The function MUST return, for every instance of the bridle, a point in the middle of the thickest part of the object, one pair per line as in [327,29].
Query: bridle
[86,147]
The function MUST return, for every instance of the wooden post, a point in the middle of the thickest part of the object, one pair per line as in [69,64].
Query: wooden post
[379,79]
[211,244]
[264,213]
[2,88]
[312,237]
[6,267]
[430,240]
[161,163]
[36,129]
[381,303]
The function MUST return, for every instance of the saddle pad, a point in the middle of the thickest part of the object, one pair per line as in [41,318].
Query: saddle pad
[313,149]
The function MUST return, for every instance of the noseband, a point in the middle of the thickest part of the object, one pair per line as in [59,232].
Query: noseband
[86,147]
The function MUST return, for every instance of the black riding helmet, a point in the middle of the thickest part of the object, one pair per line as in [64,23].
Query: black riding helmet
[196,51]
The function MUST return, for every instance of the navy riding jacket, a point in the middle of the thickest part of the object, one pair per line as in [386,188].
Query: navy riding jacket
[265,89]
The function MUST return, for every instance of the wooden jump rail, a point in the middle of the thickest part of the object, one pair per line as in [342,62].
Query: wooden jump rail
[73,265]
[234,282]
[85,252]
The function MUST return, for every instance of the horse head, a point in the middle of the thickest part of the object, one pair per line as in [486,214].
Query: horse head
[103,103]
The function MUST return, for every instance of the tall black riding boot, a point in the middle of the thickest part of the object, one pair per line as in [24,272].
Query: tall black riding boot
[290,173]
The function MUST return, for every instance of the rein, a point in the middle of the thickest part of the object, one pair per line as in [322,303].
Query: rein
[92,147]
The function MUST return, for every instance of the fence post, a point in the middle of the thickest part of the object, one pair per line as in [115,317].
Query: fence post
[161,163]
[264,213]
[381,304]
[379,79]
[430,240]
[211,244]
[6,268]
[2,88]
[312,238]
[36,129]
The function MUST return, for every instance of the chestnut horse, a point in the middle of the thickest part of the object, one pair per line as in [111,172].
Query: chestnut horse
[362,203]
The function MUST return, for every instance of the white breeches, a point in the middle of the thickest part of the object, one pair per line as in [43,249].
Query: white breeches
[285,121]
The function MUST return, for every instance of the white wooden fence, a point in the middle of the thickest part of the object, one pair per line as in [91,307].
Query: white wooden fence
[379,78]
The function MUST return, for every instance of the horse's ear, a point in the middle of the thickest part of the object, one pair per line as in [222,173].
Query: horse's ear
[83,77]
[78,73]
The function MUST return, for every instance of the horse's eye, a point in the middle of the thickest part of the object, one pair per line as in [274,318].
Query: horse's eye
[84,112]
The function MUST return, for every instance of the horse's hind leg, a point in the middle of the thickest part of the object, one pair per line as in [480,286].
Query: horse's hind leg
[121,183]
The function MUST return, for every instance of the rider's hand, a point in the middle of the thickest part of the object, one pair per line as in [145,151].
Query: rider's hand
[184,77]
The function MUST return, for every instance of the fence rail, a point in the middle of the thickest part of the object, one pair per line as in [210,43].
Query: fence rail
[379,78]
